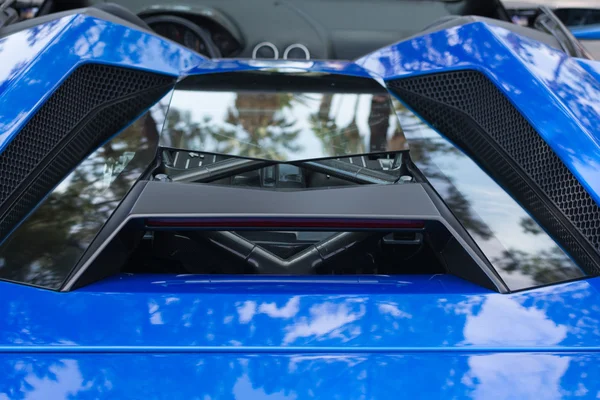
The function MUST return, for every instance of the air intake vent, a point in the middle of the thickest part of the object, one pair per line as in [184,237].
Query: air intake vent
[93,104]
[472,112]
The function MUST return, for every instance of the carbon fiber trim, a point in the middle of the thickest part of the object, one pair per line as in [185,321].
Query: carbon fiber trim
[93,104]
[471,111]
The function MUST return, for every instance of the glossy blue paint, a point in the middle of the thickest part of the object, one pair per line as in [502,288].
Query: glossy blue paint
[592,67]
[37,60]
[586,32]
[196,336]
[411,337]
[554,92]
[413,312]
[299,376]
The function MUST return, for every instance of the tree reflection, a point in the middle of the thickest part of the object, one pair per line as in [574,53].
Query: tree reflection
[424,152]
[183,132]
[540,262]
[530,227]
[336,139]
[339,140]
[542,266]
[258,125]
[46,246]
[17,375]
[280,125]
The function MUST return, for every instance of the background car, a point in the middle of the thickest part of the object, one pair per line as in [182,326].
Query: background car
[582,17]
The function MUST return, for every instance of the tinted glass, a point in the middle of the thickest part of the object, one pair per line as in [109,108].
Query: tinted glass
[578,16]
[44,249]
[277,121]
[522,253]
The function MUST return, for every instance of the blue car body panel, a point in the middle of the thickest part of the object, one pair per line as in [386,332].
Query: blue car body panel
[593,67]
[301,376]
[196,313]
[587,32]
[191,337]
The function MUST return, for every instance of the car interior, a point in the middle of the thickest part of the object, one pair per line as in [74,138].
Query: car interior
[296,29]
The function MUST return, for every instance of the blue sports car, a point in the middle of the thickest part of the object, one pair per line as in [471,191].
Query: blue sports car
[297,199]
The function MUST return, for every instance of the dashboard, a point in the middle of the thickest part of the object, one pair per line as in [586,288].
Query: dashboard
[293,29]
[202,35]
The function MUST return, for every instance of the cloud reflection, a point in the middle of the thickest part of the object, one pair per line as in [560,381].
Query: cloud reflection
[564,315]
[506,317]
[326,320]
[243,389]
[393,310]
[289,310]
[515,376]
[246,311]
[331,376]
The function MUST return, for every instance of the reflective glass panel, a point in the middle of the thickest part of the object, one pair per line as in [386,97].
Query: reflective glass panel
[282,120]
[518,248]
[48,244]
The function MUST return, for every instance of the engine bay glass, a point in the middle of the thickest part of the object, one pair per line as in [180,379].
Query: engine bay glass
[286,134]
[287,118]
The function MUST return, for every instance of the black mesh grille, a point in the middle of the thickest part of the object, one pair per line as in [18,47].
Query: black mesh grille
[95,102]
[473,113]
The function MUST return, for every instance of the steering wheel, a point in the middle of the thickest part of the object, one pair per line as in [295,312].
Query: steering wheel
[209,47]
[187,34]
